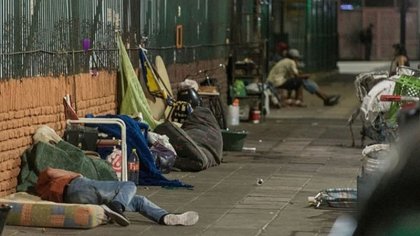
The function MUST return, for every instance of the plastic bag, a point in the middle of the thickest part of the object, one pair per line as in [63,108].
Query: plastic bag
[115,159]
[164,157]
[163,152]
[187,84]
[239,89]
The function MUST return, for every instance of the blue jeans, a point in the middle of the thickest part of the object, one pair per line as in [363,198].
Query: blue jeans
[310,86]
[86,191]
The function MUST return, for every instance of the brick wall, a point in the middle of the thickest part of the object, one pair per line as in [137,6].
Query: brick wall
[28,103]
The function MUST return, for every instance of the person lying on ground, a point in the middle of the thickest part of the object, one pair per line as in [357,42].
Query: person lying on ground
[285,75]
[115,197]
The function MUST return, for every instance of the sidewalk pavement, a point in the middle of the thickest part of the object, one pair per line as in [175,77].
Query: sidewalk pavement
[299,152]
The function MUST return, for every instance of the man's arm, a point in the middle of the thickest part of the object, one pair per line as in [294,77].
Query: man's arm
[303,76]
[53,173]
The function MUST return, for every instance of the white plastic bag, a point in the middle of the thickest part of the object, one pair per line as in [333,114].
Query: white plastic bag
[115,159]
[371,105]
[187,84]
[162,139]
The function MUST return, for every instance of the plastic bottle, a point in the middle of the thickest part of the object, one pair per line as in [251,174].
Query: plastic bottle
[233,113]
[133,167]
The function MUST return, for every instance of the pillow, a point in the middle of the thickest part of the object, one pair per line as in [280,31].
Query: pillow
[30,210]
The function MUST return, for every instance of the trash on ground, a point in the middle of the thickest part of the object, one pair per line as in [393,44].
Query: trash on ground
[249,149]
[335,197]
[260,181]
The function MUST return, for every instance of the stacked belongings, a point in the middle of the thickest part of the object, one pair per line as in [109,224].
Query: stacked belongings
[137,138]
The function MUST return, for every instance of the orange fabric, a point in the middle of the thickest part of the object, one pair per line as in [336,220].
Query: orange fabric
[51,183]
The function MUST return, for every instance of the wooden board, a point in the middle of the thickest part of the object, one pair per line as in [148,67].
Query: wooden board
[161,69]
[157,105]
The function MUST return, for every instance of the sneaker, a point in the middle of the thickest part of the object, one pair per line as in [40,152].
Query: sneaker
[299,103]
[186,218]
[115,214]
[289,102]
[332,100]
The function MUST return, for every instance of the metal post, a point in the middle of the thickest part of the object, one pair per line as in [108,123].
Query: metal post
[403,10]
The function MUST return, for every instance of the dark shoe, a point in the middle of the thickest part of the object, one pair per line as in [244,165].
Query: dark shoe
[115,213]
[332,100]
[186,218]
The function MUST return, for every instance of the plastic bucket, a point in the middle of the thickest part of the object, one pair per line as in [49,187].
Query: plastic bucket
[233,115]
[233,140]
[375,159]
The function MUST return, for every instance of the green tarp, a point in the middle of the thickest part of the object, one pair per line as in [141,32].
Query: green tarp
[133,98]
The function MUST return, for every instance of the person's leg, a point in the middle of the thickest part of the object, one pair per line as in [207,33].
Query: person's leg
[116,195]
[299,97]
[87,191]
[153,212]
[150,210]
[292,84]
[296,84]
[147,208]
[313,88]
[113,196]
[289,100]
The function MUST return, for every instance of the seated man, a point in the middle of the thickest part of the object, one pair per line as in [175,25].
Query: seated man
[115,197]
[285,75]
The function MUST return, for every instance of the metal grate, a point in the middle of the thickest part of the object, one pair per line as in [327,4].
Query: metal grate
[40,38]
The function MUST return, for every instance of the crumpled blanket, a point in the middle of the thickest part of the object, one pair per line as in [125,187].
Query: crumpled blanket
[203,128]
[62,155]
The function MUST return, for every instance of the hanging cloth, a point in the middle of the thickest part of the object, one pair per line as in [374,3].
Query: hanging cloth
[133,98]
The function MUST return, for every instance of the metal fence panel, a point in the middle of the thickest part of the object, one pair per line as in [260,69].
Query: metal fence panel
[204,28]
[43,37]
[312,28]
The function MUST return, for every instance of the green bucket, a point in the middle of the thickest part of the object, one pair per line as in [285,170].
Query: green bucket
[233,140]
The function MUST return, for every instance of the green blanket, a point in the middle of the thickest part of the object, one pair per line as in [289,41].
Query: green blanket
[62,156]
